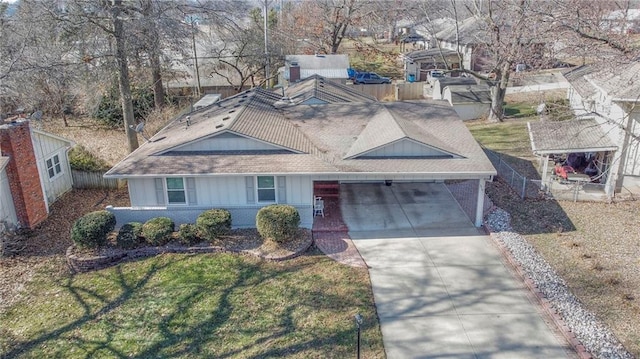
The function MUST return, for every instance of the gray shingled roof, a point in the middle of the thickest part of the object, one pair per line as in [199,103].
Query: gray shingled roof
[469,94]
[430,53]
[622,84]
[584,135]
[320,62]
[576,77]
[332,92]
[311,139]
[470,31]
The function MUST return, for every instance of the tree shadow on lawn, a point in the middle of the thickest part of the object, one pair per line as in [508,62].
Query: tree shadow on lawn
[173,306]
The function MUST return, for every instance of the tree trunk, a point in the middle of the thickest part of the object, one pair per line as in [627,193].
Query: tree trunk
[498,93]
[156,77]
[123,76]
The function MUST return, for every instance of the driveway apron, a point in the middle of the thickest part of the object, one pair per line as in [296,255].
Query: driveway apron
[440,286]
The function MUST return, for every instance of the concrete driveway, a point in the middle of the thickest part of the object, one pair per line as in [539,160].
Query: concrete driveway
[440,287]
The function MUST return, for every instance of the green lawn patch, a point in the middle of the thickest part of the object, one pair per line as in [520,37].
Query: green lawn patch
[519,109]
[510,139]
[196,306]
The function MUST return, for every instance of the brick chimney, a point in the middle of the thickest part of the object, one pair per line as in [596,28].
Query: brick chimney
[22,171]
[294,72]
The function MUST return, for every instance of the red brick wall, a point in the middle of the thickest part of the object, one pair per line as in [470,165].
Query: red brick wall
[22,171]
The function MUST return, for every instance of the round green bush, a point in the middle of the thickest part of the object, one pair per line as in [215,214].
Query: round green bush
[278,222]
[213,223]
[157,231]
[80,158]
[129,235]
[188,234]
[91,230]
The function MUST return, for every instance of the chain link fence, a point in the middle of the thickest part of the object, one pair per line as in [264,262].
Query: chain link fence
[536,188]
[523,186]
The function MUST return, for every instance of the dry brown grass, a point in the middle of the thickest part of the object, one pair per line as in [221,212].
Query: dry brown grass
[593,246]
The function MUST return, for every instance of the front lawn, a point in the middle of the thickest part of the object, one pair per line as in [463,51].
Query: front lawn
[196,306]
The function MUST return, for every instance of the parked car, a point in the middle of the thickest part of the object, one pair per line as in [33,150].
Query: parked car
[411,38]
[371,78]
[434,75]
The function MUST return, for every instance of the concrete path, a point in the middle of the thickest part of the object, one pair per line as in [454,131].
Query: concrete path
[440,287]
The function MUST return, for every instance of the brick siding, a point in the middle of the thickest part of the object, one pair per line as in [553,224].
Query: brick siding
[22,171]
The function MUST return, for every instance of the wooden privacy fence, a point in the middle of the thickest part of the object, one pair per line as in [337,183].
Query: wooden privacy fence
[393,92]
[83,179]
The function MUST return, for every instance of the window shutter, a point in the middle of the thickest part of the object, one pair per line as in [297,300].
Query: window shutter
[159,191]
[282,189]
[191,191]
[251,194]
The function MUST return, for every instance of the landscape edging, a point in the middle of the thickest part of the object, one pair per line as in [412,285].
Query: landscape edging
[79,264]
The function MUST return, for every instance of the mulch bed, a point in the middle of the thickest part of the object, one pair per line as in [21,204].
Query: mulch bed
[240,241]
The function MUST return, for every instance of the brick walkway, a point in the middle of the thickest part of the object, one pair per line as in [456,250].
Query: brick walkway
[331,236]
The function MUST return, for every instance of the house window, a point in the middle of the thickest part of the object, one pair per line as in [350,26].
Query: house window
[266,189]
[54,169]
[175,191]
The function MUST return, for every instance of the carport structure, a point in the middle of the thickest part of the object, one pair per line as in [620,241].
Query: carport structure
[584,139]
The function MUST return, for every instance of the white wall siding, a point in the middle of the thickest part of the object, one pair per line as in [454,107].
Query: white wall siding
[404,147]
[299,190]
[142,192]
[471,111]
[221,191]
[7,210]
[46,147]
[227,142]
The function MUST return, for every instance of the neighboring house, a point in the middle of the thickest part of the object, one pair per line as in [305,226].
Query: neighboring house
[299,67]
[469,101]
[34,172]
[622,21]
[469,38]
[418,63]
[606,130]
[258,148]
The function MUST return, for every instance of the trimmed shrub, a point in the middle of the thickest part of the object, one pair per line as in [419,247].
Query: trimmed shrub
[129,235]
[157,231]
[81,159]
[278,222]
[188,234]
[91,230]
[213,223]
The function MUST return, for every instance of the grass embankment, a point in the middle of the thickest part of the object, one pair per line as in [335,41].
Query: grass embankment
[593,246]
[511,140]
[204,306]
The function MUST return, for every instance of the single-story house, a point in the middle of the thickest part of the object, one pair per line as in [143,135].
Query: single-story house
[606,131]
[469,101]
[300,67]
[418,63]
[34,172]
[260,147]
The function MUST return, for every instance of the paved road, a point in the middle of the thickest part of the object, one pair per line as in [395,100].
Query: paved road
[441,288]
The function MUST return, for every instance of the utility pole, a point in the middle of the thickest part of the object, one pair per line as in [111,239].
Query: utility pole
[267,74]
[195,54]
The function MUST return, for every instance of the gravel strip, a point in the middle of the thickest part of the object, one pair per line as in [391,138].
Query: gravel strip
[592,333]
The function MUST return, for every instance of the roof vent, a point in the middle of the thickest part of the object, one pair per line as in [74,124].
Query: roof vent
[220,126]
[225,118]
